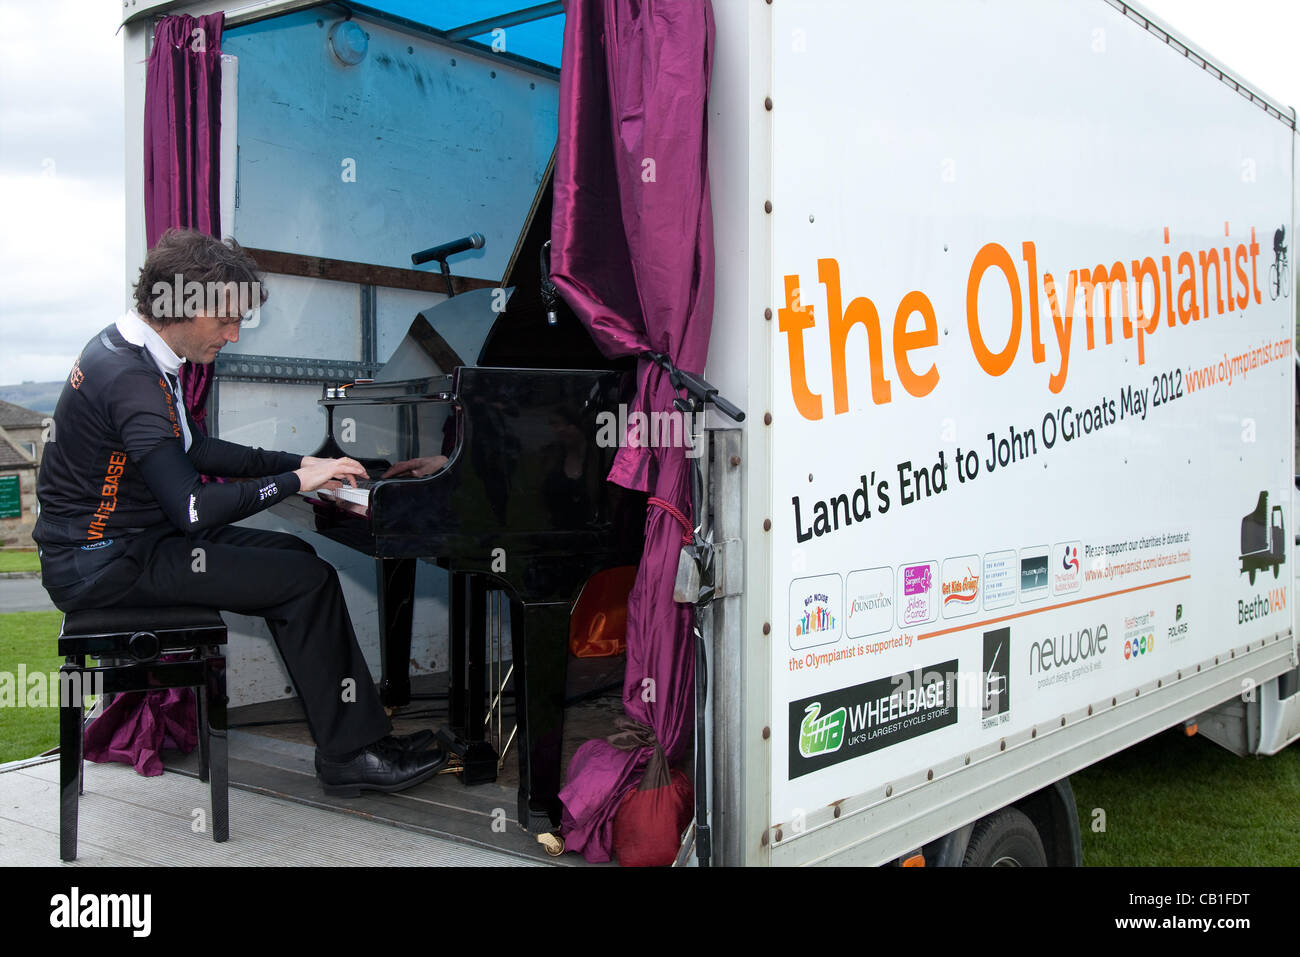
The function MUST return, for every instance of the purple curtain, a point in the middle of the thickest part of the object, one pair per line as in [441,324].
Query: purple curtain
[182,139]
[632,254]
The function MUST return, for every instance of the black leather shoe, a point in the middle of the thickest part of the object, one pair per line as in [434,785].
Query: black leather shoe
[379,767]
[413,742]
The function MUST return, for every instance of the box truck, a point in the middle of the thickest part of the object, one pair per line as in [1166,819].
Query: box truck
[992,285]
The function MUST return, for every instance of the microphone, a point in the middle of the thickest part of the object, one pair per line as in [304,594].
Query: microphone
[440,253]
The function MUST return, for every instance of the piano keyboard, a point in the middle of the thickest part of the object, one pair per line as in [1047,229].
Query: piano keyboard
[346,493]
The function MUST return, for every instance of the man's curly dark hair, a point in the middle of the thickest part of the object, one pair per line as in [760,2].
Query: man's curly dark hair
[184,261]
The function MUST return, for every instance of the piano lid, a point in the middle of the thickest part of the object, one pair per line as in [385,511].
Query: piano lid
[521,337]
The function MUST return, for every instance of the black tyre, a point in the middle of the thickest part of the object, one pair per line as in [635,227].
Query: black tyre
[1005,839]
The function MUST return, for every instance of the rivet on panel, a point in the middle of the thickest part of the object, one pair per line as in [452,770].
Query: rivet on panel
[767,418]
[767,733]
[767,206]
[767,314]
[767,627]
[767,103]
[767,524]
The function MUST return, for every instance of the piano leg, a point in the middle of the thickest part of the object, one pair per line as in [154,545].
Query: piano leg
[467,704]
[396,579]
[540,639]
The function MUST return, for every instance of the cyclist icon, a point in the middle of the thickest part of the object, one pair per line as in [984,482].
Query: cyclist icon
[1279,273]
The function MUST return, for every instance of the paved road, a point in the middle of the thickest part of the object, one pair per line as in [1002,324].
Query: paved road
[23,594]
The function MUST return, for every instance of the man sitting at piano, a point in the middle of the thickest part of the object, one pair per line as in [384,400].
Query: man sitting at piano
[127,521]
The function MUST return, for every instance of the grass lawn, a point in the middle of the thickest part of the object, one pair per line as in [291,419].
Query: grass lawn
[1179,801]
[30,638]
[16,560]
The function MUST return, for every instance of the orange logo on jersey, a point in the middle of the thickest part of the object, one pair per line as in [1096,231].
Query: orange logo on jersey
[77,376]
[108,500]
[171,407]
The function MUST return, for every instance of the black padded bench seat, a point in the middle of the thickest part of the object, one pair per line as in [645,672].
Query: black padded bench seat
[129,643]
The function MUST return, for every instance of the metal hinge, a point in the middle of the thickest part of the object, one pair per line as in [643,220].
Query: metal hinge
[729,568]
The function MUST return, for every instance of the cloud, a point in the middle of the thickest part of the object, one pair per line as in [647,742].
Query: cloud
[63,269]
[62,252]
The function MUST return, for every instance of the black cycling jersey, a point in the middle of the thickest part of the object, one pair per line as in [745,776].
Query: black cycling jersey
[116,469]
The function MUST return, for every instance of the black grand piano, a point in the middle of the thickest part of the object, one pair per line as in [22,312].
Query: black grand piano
[522,505]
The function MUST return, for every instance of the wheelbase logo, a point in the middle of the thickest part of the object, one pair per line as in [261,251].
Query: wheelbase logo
[872,715]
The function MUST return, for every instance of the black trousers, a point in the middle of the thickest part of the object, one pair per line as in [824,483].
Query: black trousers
[277,577]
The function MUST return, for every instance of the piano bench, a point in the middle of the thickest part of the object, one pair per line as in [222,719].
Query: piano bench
[129,643]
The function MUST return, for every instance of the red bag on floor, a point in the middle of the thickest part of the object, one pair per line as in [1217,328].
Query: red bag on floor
[649,824]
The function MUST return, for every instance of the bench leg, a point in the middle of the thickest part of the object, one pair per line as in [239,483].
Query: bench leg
[70,763]
[215,672]
[200,703]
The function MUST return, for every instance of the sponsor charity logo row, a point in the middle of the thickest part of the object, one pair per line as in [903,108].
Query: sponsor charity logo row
[838,725]
[826,608]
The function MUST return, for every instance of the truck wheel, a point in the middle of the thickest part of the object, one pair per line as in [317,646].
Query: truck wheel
[1005,839]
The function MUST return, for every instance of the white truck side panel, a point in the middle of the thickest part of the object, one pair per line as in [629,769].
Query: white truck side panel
[998,514]
[739,363]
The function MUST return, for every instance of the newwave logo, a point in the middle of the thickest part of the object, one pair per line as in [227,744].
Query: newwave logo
[1070,648]
[821,735]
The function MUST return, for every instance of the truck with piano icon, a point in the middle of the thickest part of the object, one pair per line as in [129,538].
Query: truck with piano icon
[1263,539]
[1007,371]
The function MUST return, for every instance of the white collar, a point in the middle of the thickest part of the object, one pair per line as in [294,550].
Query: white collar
[139,333]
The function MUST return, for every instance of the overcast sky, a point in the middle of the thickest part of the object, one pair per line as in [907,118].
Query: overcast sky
[61,166]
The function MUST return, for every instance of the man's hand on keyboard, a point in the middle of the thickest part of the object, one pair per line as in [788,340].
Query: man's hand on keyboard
[316,473]
[416,468]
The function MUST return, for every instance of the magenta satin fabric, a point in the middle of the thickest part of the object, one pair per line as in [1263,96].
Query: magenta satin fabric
[182,134]
[632,254]
[137,726]
[182,155]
